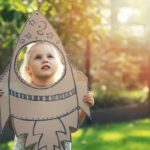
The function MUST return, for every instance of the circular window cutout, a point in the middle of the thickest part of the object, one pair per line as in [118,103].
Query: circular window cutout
[40,64]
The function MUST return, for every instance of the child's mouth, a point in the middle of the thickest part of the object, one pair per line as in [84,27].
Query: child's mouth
[45,67]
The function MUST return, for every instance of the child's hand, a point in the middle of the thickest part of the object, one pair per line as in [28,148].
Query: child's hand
[89,99]
[1,92]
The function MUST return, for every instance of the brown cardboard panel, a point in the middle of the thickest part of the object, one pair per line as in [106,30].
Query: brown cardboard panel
[46,114]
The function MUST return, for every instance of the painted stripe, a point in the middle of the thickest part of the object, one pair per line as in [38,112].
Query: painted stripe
[55,97]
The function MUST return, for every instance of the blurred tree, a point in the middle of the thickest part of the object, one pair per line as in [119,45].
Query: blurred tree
[105,39]
[75,22]
[13,14]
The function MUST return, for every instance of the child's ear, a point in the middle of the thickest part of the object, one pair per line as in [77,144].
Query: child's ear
[28,70]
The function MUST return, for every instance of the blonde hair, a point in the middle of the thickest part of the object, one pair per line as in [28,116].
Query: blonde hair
[23,72]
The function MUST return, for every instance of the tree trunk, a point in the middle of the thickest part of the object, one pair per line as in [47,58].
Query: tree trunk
[88,61]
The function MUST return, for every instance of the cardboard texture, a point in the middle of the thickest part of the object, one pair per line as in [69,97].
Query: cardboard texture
[45,115]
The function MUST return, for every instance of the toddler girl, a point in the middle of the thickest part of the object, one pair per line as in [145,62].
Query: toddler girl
[43,66]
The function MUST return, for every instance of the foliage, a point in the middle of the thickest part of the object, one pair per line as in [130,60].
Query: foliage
[105,98]
[74,22]
[12,16]
[117,54]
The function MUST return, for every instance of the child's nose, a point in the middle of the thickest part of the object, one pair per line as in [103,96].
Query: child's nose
[45,59]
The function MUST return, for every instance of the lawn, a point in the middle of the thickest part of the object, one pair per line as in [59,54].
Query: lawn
[132,135]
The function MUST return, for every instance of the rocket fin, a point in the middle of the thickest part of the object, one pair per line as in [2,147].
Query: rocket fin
[82,89]
[4,99]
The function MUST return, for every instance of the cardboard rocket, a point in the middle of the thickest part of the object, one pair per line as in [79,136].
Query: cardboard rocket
[45,115]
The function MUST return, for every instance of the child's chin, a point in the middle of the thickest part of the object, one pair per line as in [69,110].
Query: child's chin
[47,75]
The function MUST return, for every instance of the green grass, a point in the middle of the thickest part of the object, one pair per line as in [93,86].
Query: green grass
[133,135]
[6,146]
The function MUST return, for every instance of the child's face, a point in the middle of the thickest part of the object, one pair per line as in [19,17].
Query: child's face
[43,62]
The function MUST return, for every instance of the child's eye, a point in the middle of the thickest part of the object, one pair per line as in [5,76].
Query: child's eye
[37,57]
[50,56]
